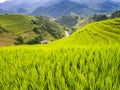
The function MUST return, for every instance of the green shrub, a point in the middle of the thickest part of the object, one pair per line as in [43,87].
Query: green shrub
[19,40]
[35,40]
[116,14]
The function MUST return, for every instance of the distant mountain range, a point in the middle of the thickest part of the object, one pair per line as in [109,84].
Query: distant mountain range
[28,5]
[64,7]
[70,7]
[57,8]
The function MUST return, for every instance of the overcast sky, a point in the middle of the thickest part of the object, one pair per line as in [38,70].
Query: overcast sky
[2,1]
[25,0]
[49,0]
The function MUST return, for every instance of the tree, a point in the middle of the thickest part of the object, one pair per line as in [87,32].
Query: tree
[99,17]
[68,20]
[19,40]
[116,14]
[46,26]
[35,40]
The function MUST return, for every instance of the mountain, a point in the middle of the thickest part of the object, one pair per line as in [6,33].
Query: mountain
[59,7]
[108,6]
[27,5]
[64,7]
[3,11]
[93,1]
[84,9]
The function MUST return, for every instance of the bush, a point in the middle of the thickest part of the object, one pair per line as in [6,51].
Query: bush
[68,20]
[36,30]
[47,26]
[35,40]
[19,40]
[99,17]
[2,30]
[116,14]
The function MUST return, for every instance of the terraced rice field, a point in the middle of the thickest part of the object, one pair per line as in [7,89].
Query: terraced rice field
[103,32]
[87,60]
[16,23]
[45,67]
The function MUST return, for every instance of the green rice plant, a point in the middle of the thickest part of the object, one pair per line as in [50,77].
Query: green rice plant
[87,60]
[60,67]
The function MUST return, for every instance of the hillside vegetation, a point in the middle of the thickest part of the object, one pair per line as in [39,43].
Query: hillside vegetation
[60,68]
[68,7]
[83,22]
[22,29]
[96,17]
[103,32]
[16,23]
[68,20]
[72,63]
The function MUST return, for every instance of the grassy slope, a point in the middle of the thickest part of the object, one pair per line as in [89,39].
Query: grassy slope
[22,25]
[6,39]
[16,23]
[103,32]
[83,22]
[65,67]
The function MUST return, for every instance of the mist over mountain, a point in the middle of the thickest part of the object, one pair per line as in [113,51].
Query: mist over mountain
[93,1]
[67,7]
[43,3]
[28,5]
[38,7]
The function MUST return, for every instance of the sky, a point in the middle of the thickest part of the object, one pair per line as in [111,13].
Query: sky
[28,1]
[1,1]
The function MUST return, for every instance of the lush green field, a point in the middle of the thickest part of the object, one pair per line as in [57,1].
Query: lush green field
[16,23]
[102,33]
[60,68]
[78,62]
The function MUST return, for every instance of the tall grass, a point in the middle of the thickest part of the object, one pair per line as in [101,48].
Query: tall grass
[60,68]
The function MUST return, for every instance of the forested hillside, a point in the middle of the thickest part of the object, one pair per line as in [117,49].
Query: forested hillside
[22,29]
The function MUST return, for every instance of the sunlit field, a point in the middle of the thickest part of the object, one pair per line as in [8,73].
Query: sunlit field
[42,67]
[68,64]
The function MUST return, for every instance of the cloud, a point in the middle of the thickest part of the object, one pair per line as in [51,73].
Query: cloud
[116,0]
[44,1]
[1,1]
